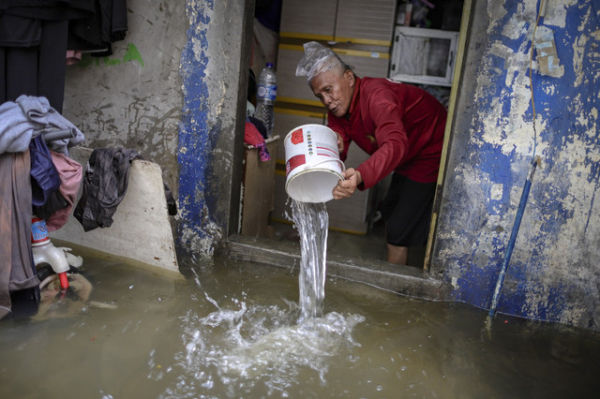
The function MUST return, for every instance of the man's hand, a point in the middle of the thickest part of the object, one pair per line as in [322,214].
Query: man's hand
[345,188]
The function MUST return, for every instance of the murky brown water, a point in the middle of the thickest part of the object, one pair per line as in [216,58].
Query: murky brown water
[230,331]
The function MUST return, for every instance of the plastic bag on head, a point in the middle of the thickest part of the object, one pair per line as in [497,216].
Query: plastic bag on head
[317,58]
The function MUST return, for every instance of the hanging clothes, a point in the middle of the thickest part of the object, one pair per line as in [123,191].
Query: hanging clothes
[44,176]
[104,186]
[253,137]
[33,44]
[97,33]
[16,130]
[29,117]
[70,173]
[17,271]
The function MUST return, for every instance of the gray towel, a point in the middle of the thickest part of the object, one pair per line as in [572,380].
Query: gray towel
[29,117]
[16,130]
[47,119]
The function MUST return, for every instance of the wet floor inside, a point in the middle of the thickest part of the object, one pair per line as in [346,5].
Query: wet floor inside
[370,246]
[229,330]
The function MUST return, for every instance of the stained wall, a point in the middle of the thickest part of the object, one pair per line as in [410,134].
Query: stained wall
[171,90]
[554,270]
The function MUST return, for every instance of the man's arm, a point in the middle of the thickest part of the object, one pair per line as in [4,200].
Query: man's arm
[392,139]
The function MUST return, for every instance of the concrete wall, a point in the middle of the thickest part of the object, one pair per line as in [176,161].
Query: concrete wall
[554,273]
[171,91]
[134,97]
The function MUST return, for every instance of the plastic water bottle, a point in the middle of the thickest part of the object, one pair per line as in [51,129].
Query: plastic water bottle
[265,96]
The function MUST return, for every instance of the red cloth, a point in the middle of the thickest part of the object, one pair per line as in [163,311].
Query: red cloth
[401,126]
[252,136]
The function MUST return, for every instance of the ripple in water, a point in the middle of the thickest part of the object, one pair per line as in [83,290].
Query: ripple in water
[267,348]
[239,350]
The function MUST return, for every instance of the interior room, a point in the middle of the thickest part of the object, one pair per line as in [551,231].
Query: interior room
[411,42]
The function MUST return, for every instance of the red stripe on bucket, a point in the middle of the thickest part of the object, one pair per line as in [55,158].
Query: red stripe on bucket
[294,162]
[326,149]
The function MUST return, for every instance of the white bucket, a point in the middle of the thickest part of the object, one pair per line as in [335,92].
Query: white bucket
[312,163]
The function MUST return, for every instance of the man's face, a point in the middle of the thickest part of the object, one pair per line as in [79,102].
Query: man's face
[335,90]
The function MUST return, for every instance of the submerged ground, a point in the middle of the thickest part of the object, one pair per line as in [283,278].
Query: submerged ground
[229,330]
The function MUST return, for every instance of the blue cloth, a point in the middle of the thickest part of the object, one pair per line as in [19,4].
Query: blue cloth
[30,116]
[44,176]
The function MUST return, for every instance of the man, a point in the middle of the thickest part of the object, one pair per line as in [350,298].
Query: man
[399,125]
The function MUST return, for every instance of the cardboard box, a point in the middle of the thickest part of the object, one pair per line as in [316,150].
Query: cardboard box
[352,21]
[257,190]
[368,23]
[310,19]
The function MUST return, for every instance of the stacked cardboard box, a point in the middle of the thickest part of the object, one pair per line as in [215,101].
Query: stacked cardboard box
[353,21]
[258,190]
[361,35]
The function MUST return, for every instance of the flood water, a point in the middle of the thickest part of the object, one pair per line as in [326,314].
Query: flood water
[231,330]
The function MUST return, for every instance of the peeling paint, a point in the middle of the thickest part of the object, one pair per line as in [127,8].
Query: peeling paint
[553,273]
[197,230]
[556,12]
[578,54]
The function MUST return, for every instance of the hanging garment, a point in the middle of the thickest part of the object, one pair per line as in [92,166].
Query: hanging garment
[39,111]
[51,10]
[29,117]
[259,125]
[253,137]
[104,186]
[16,130]
[70,173]
[17,271]
[37,70]
[33,43]
[44,176]
[97,32]
[54,203]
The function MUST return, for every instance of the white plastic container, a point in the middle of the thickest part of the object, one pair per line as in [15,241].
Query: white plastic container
[312,163]
[44,252]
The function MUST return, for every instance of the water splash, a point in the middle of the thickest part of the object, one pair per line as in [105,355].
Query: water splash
[266,350]
[252,349]
[312,223]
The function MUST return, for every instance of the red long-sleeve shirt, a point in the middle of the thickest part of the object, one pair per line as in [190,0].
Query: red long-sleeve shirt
[401,126]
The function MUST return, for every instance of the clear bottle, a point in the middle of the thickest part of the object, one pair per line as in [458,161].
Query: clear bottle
[265,96]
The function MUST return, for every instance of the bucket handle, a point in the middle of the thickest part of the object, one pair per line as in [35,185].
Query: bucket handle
[329,160]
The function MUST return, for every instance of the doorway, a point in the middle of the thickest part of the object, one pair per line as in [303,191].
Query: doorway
[362,237]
